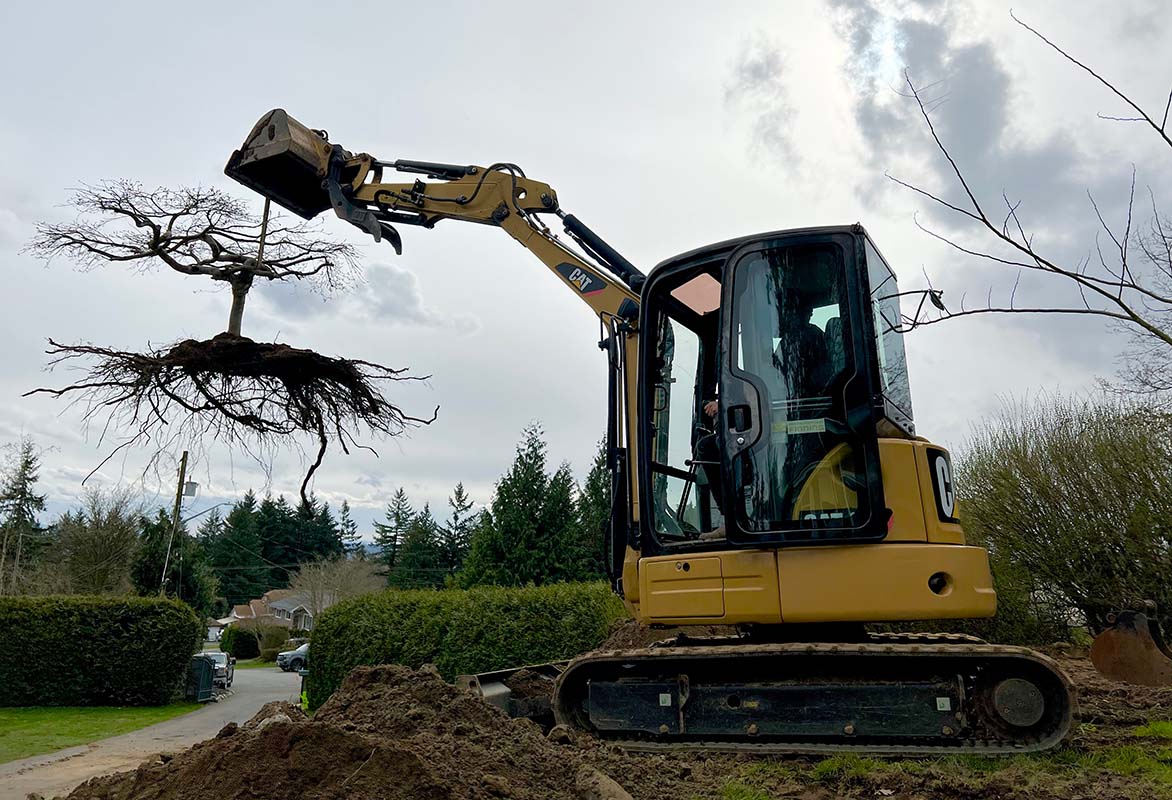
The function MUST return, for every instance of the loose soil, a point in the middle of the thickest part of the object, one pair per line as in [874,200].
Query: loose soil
[393,732]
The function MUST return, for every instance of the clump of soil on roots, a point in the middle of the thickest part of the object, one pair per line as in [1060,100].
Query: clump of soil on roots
[237,391]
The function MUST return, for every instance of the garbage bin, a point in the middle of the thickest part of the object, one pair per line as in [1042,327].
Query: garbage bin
[200,673]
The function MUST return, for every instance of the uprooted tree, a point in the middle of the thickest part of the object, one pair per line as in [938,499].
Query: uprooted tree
[1126,276]
[228,388]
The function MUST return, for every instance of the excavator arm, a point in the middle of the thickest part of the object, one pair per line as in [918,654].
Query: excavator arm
[298,168]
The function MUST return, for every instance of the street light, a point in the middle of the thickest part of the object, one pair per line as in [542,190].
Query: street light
[206,510]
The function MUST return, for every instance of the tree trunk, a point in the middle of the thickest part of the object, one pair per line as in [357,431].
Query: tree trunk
[16,561]
[3,557]
[240,283]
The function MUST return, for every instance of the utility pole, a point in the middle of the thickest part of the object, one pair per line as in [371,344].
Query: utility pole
[174,523]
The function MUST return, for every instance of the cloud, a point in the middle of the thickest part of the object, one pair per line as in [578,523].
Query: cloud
[393,296]
[11,229]
[390,295]
[757,90]
[966,87]
[1009,151]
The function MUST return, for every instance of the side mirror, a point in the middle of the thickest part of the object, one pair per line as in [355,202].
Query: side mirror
[231,659]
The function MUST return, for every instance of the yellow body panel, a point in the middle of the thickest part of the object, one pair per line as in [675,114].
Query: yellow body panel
[846,583]
[884,582]
[692,583]
[901,490]
[887,581]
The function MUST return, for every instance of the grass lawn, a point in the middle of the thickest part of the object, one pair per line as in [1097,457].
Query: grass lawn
[254,663]
[30,731]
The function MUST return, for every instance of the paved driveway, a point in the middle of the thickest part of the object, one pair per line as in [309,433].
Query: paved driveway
[59,772]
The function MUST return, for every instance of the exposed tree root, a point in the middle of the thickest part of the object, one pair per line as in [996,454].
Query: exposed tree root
[235,391]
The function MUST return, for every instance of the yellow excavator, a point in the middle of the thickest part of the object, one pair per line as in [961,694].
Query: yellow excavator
[766,474]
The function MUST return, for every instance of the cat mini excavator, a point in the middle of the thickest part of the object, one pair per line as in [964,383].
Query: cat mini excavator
[766,475]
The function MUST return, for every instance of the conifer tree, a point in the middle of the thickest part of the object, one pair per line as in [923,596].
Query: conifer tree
[19,507]
[456,534]
[189,577]
[348,529]
[276,527]
[531,532]
[594,516]
[420,561]
[389,534]
[235,553]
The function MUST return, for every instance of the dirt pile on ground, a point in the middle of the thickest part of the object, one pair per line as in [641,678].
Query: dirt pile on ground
[1103,701]
[389,732]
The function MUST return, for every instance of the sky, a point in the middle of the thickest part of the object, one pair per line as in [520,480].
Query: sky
[663,125]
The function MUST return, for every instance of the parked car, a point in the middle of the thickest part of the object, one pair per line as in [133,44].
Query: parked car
[293,660]
[225,668]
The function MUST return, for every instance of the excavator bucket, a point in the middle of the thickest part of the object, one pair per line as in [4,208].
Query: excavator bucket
[1133,651]
[286,162]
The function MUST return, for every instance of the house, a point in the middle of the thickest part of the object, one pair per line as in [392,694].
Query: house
[260,610]
[215,627]
[295,610]
[285,607]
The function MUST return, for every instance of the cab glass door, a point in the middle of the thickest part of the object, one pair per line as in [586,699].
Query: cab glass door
[796,421]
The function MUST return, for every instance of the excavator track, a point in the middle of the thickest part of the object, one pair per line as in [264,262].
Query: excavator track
[890,694]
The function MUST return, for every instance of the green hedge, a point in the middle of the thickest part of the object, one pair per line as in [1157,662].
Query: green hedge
[240,639]
[108,651]
[461,632]
[238,643]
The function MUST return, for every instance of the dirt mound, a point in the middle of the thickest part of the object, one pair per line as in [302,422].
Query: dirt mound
[393,732]
[1103,701]
[388,732]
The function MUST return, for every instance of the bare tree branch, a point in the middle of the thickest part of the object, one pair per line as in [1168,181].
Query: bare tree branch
[193,231]
[1128,283]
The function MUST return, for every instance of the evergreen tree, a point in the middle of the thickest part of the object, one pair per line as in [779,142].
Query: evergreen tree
[189,577]
[420,558]
[594,516]
[276,527]
[486,555]
[455,536]
[234,552]
[19,507]
[560,531]
[317,534]
[348,529]
[389,534]
[531,533]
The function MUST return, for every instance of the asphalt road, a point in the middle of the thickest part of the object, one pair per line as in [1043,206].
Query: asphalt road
[59,772]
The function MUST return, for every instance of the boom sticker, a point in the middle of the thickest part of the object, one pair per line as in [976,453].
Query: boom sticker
[583,280]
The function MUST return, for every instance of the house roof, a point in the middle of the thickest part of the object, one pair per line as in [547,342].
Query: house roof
[292,602]
[244,610]
[273,595]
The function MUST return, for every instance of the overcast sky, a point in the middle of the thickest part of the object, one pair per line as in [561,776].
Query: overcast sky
[663,125]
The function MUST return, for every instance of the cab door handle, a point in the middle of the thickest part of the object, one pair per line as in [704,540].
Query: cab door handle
[740,418]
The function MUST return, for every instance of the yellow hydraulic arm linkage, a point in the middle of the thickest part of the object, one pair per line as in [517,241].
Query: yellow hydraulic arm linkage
[498,195]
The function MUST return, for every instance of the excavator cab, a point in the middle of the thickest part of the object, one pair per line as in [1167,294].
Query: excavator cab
[774,364]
